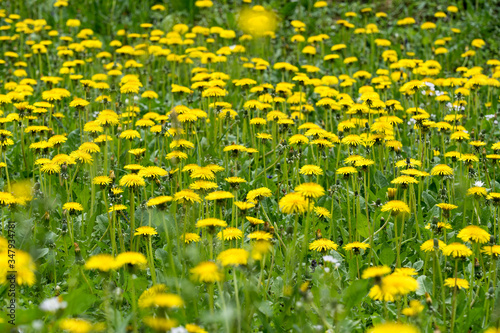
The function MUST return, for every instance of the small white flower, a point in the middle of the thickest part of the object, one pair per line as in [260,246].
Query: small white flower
[37,324]
[489,116]
[327,269]
[179,329]
[478,183]
[430,85]
[329,259]
[53,304]
[118,291]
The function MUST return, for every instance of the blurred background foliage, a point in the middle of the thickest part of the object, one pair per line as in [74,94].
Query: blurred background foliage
[106,17]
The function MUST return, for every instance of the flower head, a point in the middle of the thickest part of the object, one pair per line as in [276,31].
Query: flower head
[131,259]
[441,170]
[323,245]
[396,207]
[207,271]
[101,262]
[132,181]
[145,231]
[458,283]
[474,234]
[230,234]
[375,271]
[233,257]
[293,203]
[392,286]
[457,250]
[310,190]
[186,197]
[210,222]
[393,328]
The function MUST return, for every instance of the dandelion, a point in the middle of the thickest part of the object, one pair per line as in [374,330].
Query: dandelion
[186,197]
[131,259]
[393,328]
[230,234]
[132,181]
[310,170]
[356,247]
[322,245]
[396,207]
[375,272]
[101,262]
[475,234]
[441,170]
[75,325]
[207,272]
[233,257]
[210,222]
[457,250]
[310,190]
[190,237]
[456,283]
[293,203]
[145,231]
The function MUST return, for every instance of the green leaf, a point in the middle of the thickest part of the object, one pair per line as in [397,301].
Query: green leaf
[40,253]
[288,9]
[336,213]
[418,265]
[485,215]
[277,287]
[79,301]
[355,293]
[363,228]
[387,256]
[380,179]
[424,285]
[429,200]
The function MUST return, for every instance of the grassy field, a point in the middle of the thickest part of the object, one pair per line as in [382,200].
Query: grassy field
[249,166]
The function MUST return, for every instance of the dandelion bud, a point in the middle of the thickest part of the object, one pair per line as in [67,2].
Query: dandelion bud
[428,299]
[314,264]
[318,234]
[304,287]
[78,255]
[64,226]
